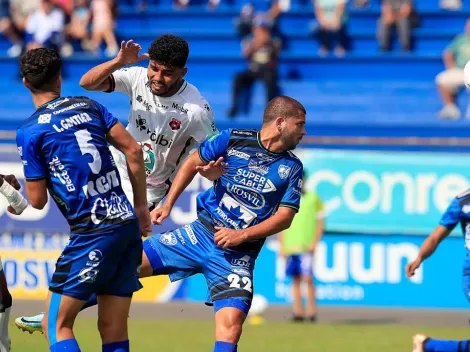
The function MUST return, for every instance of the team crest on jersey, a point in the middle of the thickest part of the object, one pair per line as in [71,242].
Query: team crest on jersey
[175,124]
[149,158]
[44,118]
[283,171]
[168,239]
[140,122]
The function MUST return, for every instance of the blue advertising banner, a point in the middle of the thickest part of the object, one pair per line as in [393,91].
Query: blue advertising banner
[385,192]
[365,270]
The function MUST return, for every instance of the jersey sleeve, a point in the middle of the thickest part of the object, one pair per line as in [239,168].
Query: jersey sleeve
[203,123]
[291,198]
[123,80]
[452,215]
[109,119]
[31,155]
[214,147]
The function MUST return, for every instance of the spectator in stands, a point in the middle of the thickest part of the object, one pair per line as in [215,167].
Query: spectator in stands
[8,30]
[77,28]
[44,27]
[330,26]
[183,4]
[451,80]
[248,16]
[395,13]
[262,53]
[450,4]
[103,26]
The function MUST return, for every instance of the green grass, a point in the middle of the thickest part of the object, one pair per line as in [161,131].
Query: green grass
[197,336]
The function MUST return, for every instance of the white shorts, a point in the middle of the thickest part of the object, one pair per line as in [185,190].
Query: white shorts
[452,79]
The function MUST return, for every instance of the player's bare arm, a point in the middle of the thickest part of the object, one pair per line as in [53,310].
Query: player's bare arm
[123,141]
[319,234]
[36,191]
[97,78]
[281,221]
[427,248]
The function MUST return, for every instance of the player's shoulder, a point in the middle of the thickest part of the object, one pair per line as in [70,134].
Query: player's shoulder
[462,199]
[290,156]
[193,100]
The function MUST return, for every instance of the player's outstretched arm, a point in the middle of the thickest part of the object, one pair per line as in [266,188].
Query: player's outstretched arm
[183,178]
[123,141]
[281,221]
[9,187]
[427,248]
[97,78]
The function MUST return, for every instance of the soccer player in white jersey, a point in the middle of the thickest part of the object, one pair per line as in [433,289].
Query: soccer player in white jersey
[168,117]
[9,187]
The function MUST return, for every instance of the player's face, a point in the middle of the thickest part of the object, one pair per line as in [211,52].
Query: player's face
[163,79]
[292,131]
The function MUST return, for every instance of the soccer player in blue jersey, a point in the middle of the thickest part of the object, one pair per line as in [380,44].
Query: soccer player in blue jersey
[257,197]
[64,149]
[457,212]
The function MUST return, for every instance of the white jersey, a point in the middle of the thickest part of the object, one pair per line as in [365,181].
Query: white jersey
[168,128]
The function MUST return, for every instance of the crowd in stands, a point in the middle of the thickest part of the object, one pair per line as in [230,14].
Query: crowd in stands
[89,26]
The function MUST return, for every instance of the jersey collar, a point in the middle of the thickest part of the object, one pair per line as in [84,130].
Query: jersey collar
[47,103]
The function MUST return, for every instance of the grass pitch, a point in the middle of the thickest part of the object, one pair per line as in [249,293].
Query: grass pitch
[148,335]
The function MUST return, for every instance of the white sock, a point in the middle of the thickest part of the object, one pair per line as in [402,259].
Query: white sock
[14,197]
[4,337]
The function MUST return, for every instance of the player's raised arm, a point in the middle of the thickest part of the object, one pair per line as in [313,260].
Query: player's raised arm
[98,78]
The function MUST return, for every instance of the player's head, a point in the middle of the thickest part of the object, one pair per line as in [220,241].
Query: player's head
[41,69]
[168,55]
[286,116]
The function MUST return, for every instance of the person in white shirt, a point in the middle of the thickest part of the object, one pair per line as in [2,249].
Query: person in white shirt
[168,115]
[44,27]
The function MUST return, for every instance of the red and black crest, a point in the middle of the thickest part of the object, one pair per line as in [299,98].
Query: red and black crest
[175,124]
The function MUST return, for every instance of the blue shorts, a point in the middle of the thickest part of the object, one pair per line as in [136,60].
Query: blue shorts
[299,265]
[105,263]
[191,250]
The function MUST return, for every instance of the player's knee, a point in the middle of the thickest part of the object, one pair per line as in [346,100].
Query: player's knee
[111,331]
[229,332]
[307,279]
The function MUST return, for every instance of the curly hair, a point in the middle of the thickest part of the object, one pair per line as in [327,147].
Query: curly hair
[169,50]
[41,68]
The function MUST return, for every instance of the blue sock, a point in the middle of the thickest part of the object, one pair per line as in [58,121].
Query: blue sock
[432,345]
[92,301]
[221,346]
[121,346]
[69,345]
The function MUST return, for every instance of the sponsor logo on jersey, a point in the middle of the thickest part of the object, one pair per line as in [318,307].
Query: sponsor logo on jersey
[190,233]
[87,275]
[149,158]
[175,124]
[257,167]
[147,106]
[238,154]
[71,107]
[264,158]
[179,108]
[44,118]
[246,196]
[243,262]
[243,133]
[57,103]
[283,171]
[110,209]
[168,239]
[141,123]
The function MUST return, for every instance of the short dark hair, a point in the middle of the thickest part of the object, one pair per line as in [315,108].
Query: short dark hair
[282,106]
[169,50]
[41,68]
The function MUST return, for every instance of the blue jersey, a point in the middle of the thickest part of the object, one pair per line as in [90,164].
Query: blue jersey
[258,182]
[459,212]
[64,142]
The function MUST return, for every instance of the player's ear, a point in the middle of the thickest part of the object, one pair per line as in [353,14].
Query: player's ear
[25,83]
[279,121]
